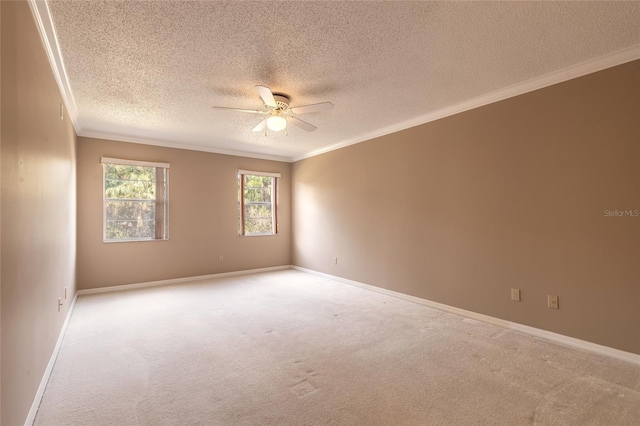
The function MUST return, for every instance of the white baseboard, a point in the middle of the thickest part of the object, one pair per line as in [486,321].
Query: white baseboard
[31,416]
[179,280]
[548,335]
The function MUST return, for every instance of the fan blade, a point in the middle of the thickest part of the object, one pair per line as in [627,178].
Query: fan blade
[302,124]
[260,126]
[324,106]
[253,111]
[267,96]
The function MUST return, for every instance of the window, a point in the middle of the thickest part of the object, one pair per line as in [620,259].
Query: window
[258,202]
[136,195]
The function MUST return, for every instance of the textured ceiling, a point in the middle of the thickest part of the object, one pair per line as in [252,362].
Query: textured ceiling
[153,69]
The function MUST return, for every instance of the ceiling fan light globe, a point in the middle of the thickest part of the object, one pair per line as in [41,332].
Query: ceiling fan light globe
[276,123]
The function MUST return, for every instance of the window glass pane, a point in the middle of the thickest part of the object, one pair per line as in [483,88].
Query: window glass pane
[138,210]
[258,226]
[128,172]
[257,211]
[257,195]
[141,190]
[257,188]
[125,181]
[130,229]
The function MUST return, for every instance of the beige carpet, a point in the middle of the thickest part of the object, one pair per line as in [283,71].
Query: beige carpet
[289,348]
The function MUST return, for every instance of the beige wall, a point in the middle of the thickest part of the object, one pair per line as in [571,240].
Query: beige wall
[38,212]
[203,218]
[512,194]
[0,222]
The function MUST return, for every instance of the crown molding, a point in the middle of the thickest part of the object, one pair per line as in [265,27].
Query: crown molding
[44,22]
[588,67]
[177,145]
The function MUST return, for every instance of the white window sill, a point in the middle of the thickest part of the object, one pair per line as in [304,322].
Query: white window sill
[134,240]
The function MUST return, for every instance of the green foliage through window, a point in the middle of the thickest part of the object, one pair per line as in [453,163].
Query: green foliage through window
[257,204]
[135,206]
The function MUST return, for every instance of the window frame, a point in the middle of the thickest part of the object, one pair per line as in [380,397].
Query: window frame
[137,163]
[274,202]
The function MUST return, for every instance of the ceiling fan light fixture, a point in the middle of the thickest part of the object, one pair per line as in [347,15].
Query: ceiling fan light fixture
[279,115]
[276,123]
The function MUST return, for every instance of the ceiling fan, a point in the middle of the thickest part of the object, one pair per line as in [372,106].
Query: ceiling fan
[279,113]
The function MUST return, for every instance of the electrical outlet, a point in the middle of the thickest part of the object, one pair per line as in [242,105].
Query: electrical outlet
[515,294]
[221,258]
[552,302]
[335,260]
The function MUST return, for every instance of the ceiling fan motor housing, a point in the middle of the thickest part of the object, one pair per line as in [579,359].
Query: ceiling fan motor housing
[282,102]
